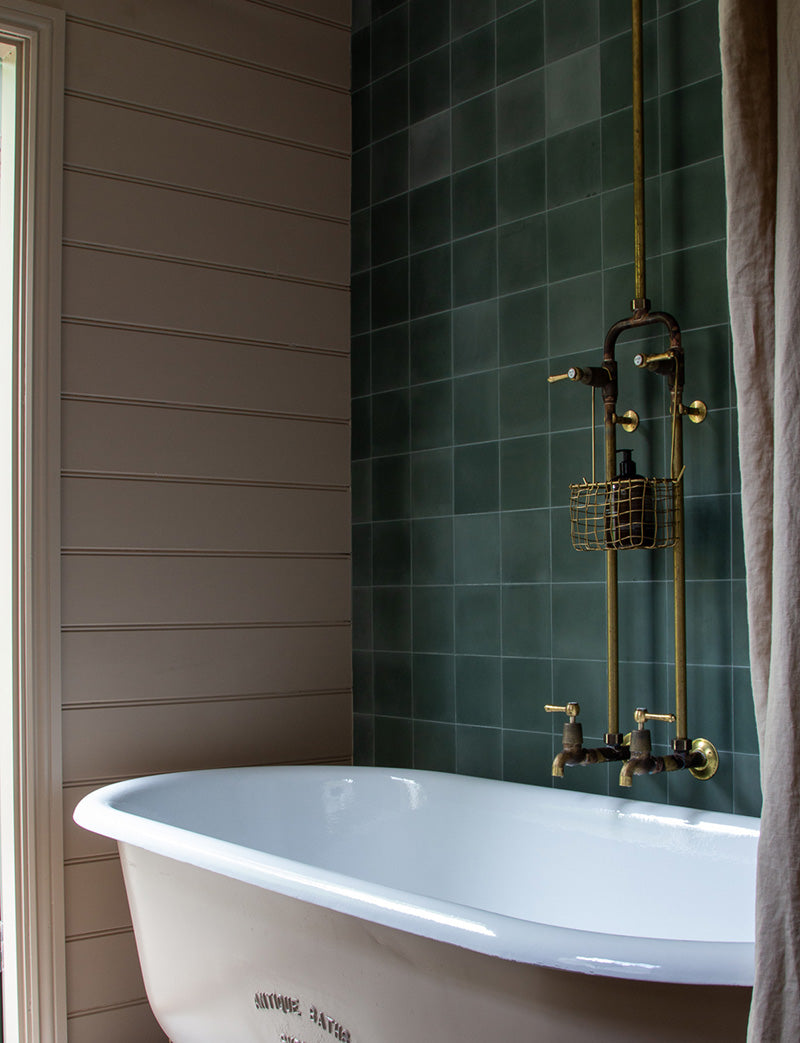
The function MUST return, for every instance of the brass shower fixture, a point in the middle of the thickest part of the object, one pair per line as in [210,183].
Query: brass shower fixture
[629,511]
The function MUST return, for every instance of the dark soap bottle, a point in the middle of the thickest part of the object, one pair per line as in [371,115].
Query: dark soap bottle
[630,510]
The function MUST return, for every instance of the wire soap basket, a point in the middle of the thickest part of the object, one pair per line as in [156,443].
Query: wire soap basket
[625,514]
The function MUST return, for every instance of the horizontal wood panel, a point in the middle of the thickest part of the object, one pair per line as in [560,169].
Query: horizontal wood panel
[153,441]
[141,740]
[131,216]
[80,842]
[102,590]
[97,360]
[138,514]
[102,971]
[251,32]
[150,292]
[108,138]
[160,665]
[135,1024]
[179,82]
[95,898]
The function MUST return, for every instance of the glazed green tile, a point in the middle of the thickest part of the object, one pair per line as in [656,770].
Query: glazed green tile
[527,686]
[428,156]
[689,45]
[360,366]
[522,249]
[432,550]
[478,687]
[579,620]
[432,483]
[646,684]
[360,58]
[382,7]
[582,681]
[523,326]
[429,215]
[570,27]
[569,565]
[469,14]
[477,548]
[390,104]
[361,479]
[740,632]
[475,417]
[708,622]
[429,84]
[693,201]
[691,124]
[714,794]
[361,116]
[363,739]
[523,399]
[473,64]
[615,15]
[524,473]
[360,231]
[430,348]
[737,539]
[431,415]
[708,366]
[571,460]
[617,158]
[505,6]
[477,619]
[616,87]
[573,90]
[363,698]
[645,609]
[434,687]
[479,751]
[746,785]
[429,25]
[432,619]
[390,422]
[745,733]
[526,620]
[389,294]
[390,357]
[389,42]
[362,619]
[527,757]
[475,337]
[473,131]
[618,246]
[573,164]
[360,173]
[521,111]
[361,429]
[576,315]
[393,742]
[391,619]
[390,488]
[392,671]
[520,41]
[389,166]
[474,199]
[389,230]
[526,546]
[391,553]
[434,746]
[360,300]
[707,454]
[708,544]
[475,478]
[362,555]
[430,281]
[475,268]
[574,239]
[521,182]
[710,704]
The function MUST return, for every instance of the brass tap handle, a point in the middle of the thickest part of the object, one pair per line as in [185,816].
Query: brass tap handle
[573,373]
[640,715]
[642,360]
[571,710]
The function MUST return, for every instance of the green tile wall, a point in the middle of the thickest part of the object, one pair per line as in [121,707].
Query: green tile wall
[492,245]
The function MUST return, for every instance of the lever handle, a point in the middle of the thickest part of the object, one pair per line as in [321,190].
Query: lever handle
[571,710]
[640,715]
[573,373]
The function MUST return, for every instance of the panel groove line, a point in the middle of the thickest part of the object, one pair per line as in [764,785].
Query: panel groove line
[124,1005]
[145,628]
[188,479]
[111,932]
[200,552]
[213,56]
[196,121]
[286,9]
[235,697]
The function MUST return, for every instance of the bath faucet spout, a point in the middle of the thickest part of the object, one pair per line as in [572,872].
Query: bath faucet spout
[579,755]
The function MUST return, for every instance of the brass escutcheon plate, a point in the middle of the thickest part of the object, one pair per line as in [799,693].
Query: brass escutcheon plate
[709,751]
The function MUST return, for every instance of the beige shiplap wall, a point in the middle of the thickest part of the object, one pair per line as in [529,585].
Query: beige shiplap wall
[205,420]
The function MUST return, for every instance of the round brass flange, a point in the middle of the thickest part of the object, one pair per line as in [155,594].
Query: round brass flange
[699,411]
[629,420]
[709,751]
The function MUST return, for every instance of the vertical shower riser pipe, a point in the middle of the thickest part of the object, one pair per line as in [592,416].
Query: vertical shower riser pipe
[640,302]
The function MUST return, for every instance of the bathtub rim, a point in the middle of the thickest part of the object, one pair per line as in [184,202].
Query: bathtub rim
[494,934]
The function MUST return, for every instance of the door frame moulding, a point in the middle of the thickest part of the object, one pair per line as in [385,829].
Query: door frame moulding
[31,807]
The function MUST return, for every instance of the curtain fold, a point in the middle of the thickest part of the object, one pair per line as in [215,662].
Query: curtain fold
[760,47]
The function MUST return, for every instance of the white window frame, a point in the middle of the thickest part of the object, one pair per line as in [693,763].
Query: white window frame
[31,809]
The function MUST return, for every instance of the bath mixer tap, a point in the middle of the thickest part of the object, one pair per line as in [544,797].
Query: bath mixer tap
[700,756]
[572,748]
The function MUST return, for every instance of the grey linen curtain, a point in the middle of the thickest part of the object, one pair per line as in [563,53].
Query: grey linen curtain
[760,44]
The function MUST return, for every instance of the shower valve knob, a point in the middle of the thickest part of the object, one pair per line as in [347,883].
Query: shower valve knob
[573,373]
[641,716]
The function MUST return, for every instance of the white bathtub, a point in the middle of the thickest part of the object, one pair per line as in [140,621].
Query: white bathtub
[365,905]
